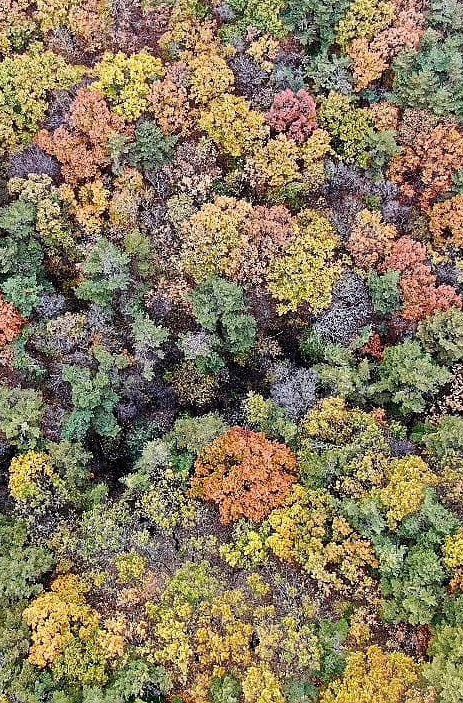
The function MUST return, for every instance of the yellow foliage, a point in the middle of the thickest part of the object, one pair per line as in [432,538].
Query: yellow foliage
[126,81]
[453,551]
[404,494]
[313,153]
[261,686]
[307,272]
[25,83]
[275,164]
[264,51]
[210,77]
[67,634]
[305,533]
[364,19]
[214,238]
[233,125]
[373,676]
[130,567]
[29,475]
[332,421]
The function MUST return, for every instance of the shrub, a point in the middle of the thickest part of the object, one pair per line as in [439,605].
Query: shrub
[245,474]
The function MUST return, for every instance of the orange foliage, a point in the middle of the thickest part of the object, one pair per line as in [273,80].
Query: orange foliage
[84,150]
[424,169]
[371,58]
[422,296]
[169,102]
[446,223]
[91,21]
[11,322]
[269,230]
[245,474]
[371,239]
[385,116]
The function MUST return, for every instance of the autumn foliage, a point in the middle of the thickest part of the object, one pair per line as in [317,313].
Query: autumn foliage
[245,474]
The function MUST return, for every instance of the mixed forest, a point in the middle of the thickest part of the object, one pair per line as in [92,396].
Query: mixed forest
[231,351]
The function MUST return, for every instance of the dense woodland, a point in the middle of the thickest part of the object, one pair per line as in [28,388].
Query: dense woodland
[231,351]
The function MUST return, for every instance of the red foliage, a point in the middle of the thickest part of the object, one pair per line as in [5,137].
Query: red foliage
[11,322]
[422,296]
[245,474]
[374,347]
[294,114]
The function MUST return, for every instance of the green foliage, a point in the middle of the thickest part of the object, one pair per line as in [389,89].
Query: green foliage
[220,308]
[270,418]
[148,340]
[350,126]
[442,335]
[431,78]
[21,412]
[70,461]
[447,15]
[226,689]
[408,378]
[24,292]
[94,397]
[314,22]
[382,149]
[21,257]
[106,273]
[193,433]
[385,292]
[445,670]
[444,438]
[21,565]
[340,373]
[152,149]
[412,575]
